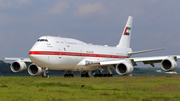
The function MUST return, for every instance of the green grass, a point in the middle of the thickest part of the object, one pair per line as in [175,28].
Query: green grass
[148,88]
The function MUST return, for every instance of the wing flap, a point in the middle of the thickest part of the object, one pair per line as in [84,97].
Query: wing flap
[138,52]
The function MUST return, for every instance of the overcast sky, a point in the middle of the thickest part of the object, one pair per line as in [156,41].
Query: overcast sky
[156,23]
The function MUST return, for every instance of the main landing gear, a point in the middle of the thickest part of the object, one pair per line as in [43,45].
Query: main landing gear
[103,75]
[108,72]
[100,74]
[87,74]
[69,74]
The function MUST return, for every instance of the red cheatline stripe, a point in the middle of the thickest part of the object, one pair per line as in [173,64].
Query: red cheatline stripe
[75,54]
[125,31]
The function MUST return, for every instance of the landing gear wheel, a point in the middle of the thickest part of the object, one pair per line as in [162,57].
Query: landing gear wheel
[110,75]
[47,75]
[68,75]
[85,75]
[71,75]
[82,75]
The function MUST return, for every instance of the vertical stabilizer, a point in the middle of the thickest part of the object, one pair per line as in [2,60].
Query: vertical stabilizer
[126,35]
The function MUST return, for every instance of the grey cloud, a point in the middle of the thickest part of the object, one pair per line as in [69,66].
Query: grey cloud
[8,4]
[59,8]
[156,23]
[89,8]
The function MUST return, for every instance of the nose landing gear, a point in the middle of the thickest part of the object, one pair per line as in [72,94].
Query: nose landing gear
[45,74]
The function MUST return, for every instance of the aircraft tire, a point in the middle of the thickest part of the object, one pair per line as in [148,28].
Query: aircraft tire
[45,75]
[66,75]
[71,75]
[106,75]
[82,75]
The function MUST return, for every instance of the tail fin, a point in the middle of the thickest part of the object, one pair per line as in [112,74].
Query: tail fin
[126,35]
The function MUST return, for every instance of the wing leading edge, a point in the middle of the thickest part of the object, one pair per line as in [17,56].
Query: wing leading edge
[16,59]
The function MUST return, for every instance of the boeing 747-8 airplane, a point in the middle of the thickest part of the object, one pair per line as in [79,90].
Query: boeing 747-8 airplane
[67,54]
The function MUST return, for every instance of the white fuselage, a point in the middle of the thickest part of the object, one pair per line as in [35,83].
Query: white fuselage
[59,53]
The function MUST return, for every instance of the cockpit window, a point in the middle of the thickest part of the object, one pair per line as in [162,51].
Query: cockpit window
[42,40]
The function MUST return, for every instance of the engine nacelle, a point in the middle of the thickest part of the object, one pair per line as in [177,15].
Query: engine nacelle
[168,64]
[124,68]
[18,66]
[35,70]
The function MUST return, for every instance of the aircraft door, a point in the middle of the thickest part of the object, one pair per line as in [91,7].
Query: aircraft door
[65,42]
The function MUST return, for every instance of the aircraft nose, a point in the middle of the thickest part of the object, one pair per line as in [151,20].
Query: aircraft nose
[36,59]
[33,57]
[35,51]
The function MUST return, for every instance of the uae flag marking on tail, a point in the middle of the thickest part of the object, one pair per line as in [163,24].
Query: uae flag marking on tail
[127,31]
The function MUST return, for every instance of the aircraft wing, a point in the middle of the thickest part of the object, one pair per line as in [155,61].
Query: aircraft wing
[145,60]
[125,66]
[16,59]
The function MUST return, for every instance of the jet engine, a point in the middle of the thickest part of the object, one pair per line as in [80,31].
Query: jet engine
[18,66]
[35,70]
[168,64]
[124,68]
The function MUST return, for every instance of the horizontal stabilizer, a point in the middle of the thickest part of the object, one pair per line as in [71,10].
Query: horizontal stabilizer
[138,52]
